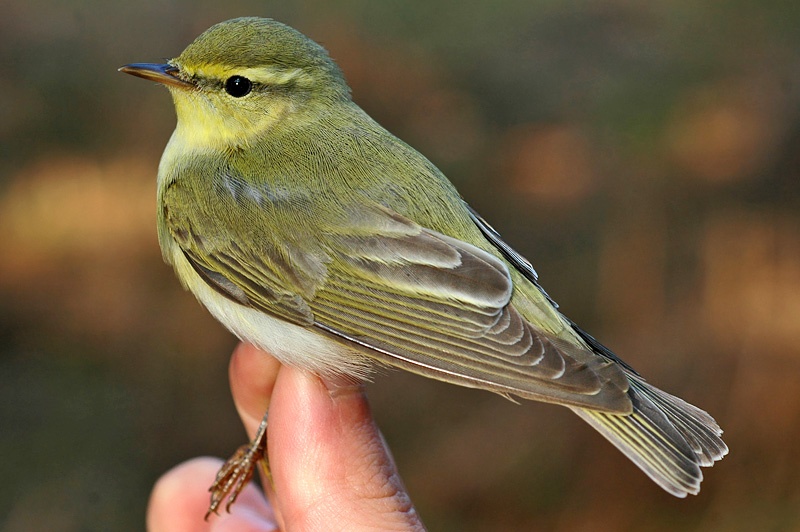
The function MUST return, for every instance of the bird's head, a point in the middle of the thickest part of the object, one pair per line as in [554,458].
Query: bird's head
[242,77]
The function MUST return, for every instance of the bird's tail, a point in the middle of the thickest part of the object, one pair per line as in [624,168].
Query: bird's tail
[668,438]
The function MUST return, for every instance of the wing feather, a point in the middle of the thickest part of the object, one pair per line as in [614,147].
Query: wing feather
[413,297]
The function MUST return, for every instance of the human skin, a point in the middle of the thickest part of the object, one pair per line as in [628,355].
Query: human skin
[330,465]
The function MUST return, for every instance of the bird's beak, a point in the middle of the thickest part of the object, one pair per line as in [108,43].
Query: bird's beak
[166,74]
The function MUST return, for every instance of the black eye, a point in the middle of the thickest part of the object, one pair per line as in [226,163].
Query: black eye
[238,86]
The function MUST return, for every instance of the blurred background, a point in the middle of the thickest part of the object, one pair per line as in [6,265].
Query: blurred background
[644,156]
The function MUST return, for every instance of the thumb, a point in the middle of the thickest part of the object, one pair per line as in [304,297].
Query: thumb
[331,468]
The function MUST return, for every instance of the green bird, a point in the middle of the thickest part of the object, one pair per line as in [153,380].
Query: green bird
[312,232]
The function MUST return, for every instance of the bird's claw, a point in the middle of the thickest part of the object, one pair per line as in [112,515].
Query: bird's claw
[237,471]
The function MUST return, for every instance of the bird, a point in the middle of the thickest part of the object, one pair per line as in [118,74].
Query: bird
[310,231]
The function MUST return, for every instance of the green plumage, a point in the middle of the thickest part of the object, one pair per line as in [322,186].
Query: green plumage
[303,209]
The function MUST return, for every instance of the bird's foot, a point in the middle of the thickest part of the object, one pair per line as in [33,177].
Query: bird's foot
[234,474]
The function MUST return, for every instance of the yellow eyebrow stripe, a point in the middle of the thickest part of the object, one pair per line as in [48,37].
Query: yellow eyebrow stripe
[267,75]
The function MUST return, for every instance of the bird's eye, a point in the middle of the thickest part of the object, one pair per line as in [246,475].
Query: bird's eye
[238,86]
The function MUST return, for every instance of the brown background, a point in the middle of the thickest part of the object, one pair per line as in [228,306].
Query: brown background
[645,158]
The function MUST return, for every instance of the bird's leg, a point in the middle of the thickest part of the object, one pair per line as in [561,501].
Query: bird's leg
[234,474]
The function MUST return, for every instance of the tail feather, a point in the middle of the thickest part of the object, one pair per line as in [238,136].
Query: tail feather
[668,438]
[698,428]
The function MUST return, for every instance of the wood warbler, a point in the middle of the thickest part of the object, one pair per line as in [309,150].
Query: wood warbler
[310,231]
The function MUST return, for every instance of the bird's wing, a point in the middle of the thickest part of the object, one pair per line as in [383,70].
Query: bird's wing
[409,296]
[232,251]
[526,269]
[666,437]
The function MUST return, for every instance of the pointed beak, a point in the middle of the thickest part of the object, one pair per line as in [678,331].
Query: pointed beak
[166,74]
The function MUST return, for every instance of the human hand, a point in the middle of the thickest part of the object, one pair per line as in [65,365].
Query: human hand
[330,465]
